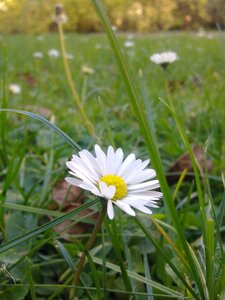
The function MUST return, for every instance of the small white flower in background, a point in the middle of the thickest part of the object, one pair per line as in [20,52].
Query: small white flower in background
[129,44]
[87,70]
[164,58]
[69,56]
[15,88]
[98,46]
[53,53]
[40,38]
[114,28]
[38,54]
[124,182]
[209,36]
[130,36]
[201,33]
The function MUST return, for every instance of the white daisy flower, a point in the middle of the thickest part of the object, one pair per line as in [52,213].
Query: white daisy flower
[129,44]
[38,54]
[85,69]
[69,56]
[164,58]
[15,88]
[98,46]
[53,53]
[40,38]
[114,28]
[125,183]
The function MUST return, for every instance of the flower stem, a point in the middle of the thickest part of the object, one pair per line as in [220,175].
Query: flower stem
[87,248]
[75,94]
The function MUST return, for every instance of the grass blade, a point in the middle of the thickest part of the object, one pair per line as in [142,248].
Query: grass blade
[173,267]
[3,120]
[149,138]
[30,279]
[116,243]
[32,233]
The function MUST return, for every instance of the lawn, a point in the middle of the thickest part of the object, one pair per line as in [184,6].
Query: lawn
[130,256]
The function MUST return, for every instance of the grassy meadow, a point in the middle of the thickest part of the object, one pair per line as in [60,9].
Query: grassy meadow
[131,258]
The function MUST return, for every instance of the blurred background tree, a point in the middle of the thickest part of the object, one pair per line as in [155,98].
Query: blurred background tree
[216,11]
[36,16]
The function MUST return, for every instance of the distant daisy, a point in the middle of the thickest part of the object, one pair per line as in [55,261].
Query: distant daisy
[53,53]
[40,38]
[87,70]
[98,46]
[129,44]
[114,28]
[38,54]
[164,58]
[125,183]
[69,56]
[201,33]
[15,88]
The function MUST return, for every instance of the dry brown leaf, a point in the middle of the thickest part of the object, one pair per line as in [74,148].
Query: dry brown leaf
[184,162]
[69,197]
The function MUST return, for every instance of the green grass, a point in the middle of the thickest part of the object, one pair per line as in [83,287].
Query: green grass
[130,256]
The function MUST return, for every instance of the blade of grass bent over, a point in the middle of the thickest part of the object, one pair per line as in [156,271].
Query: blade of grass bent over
[150,142]
[46,122]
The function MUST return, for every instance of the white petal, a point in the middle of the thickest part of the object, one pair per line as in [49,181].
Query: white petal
[144,175]
[83,163]
[132,170]
[153,194]
[90,163]
[125,207]
[79,168]
[143,209]
[151,204]
[101,159]
[144,186]
[82,177]
[135,201]
[118,159]
[87,186]
[110,160]
[96,192]
[110,210]
[73,181]
[133,174]
[133,197]
[127,162]
[107,191]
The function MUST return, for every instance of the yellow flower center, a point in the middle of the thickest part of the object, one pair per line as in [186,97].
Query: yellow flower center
[118,182]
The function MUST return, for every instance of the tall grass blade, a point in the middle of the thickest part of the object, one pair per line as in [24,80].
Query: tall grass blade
[31,282]
[3,119]
[173,267]
[149,140]
[116,243]
[63,252]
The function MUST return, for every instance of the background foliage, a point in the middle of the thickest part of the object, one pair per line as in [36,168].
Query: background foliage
[36,16]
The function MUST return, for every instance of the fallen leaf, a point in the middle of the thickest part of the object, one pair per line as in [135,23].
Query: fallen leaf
[68,198]
[184,162]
